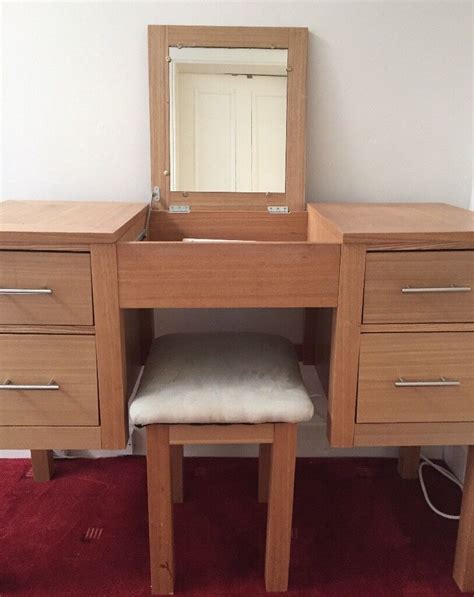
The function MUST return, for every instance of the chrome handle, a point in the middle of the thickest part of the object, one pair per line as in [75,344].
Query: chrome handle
[435,383]
[453,288]
[26,291]
[9,385]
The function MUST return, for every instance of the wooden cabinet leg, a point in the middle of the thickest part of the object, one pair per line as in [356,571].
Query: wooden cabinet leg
[42,464]
[160,509]
[177,473]
[408,462]
[264,457]
[464,560]
[280,507]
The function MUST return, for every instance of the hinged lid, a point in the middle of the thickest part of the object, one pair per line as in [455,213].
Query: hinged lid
[227,118]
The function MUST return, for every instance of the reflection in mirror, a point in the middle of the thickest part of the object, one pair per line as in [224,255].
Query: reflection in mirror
[228,119]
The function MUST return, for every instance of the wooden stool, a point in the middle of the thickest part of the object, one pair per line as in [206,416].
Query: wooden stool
[221,389]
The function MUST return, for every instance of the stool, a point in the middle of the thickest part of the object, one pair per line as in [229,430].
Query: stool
[223,388]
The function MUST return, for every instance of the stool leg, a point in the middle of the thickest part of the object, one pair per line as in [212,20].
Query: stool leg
[177,473]
[264,458]
[280,507]
[42,464]
[160,509]
[464,560]
[408,462]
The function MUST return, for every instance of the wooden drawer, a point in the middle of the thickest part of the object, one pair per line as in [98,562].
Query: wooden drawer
[387,359]
[36,360]
[419,287]
[66,275]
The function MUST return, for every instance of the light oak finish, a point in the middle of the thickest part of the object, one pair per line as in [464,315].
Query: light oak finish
[177,473]
[59,437]
[160,38]
[110,343]
[160,509]
[228,225]
[411,434]
[68,275]
[227,275]
[67,222]
[464,561]
[345,341]
[409,462]
[81,330]
[221,434]
[397,225]
[385,358]
[264,464]
[36,359]
[375,328]
[42,464]
[280,507]
[387,273]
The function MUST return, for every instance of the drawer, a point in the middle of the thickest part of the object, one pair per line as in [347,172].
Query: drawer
[416,377]
[419,287]
[45,288]
[36,360]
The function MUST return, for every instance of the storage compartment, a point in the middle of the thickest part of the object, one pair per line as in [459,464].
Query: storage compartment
[271,271]
[45,288]
[419,287]
[417,377]
[32,364]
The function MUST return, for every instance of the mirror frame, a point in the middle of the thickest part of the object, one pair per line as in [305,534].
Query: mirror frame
[293,39]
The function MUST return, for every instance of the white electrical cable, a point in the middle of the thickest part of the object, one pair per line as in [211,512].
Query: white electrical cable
[448,474]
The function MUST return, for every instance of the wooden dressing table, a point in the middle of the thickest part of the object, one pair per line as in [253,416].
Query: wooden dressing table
[387,289]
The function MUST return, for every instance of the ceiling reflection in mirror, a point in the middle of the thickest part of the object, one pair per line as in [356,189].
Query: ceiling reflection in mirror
[228,119]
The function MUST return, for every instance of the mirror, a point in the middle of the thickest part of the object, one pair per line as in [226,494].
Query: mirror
[227,119]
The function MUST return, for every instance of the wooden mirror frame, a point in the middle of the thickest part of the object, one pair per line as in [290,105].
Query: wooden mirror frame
[295,40]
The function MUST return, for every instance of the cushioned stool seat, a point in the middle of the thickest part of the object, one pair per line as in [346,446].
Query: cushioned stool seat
[221,378]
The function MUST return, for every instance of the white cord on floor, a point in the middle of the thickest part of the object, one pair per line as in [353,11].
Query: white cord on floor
[448,474]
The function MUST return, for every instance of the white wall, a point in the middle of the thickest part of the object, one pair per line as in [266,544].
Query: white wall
[389,105]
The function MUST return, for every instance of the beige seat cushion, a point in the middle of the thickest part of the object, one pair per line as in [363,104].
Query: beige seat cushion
[221,378]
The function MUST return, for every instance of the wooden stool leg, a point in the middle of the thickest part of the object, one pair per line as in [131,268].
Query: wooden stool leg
[264,458]
[464,560]
[408,462]
[280,507]
[160,509]
[177,473]
[42,464]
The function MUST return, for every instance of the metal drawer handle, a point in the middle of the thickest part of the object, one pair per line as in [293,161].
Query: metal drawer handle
[453,288]
[437,383]
[9,385]
[26,291]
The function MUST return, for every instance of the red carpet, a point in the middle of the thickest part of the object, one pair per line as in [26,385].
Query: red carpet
[359,530]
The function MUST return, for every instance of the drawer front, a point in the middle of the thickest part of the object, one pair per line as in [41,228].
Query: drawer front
[419,287]
[34,361]
[45,288]
[416,377]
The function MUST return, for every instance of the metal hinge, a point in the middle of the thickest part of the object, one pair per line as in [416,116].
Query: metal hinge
[180,209]
[278,209]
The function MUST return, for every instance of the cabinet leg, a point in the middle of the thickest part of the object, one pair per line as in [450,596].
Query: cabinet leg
[408,462]
[264,457]
[464,560]
[177,473]
[42,464]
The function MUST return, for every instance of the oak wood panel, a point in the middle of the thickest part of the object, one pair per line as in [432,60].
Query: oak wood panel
[411,434]
[384,358]
[240,225]
[227,275]
[82,330]
[67,275]
[376,328]
[67,222]
[345,342]
[42,463]
[32,359]
[47,437]
[388,273]
[221,434]
[227,37]
[464,560]
[110,342]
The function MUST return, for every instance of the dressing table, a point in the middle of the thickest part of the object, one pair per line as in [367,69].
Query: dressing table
[387,288]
